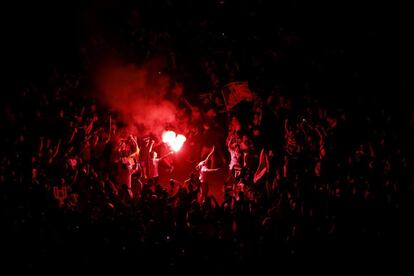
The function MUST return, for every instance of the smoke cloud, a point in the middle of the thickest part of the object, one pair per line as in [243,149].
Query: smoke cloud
[140,94]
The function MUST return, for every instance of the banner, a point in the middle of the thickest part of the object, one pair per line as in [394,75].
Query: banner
[235,92]
[263,167]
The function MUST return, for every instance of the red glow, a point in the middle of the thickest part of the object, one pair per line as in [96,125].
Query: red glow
[174,141]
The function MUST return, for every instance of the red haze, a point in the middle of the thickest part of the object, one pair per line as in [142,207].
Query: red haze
[138,94]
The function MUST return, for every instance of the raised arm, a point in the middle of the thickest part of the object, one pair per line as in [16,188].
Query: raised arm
[88,129]
[211,170]
[230,143]
[321,140]
[41,145]
[205,160]
[73,135]
[188,104]
[286,125]
[215,201]
[75,177]
[151,146]
[56,152]
[166,155]
[110,130]
[136,152]
[209,155]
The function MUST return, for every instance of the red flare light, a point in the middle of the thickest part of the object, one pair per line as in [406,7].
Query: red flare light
[174,141]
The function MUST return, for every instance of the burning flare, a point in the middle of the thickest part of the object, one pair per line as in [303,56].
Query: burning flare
[174,141]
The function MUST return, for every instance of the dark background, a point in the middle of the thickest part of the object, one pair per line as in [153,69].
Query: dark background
[343,48]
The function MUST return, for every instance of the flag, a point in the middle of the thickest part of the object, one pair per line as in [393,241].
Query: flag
[263,167]
[235,92]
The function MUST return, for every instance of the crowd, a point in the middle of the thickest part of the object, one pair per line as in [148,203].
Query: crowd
[305,179]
